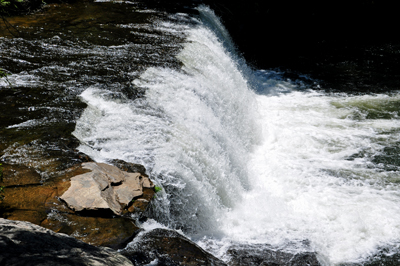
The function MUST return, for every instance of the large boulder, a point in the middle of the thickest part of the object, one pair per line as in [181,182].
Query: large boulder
[104,187]
[167,247]
[23,243]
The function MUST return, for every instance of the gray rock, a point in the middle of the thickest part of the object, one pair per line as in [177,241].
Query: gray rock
[263,255]
[105,187]
[23,243]
[129,167]
[167,248]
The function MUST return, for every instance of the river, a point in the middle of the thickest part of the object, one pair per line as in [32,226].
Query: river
[244,156]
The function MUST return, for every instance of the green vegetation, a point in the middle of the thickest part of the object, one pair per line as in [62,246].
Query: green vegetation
[4,75]
[157,189]
[4,3]
[13,7]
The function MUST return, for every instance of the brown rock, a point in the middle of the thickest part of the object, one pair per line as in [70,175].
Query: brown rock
[98,231]
[19,175]
[26,203]
[40,204]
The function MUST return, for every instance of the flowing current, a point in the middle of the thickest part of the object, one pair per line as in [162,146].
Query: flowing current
[246,157]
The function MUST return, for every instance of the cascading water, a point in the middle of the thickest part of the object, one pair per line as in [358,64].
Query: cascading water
[244,157]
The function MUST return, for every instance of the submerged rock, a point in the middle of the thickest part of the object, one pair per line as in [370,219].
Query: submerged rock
[104,187]
[167,247]
[385,257]
[256,255]
[23,243]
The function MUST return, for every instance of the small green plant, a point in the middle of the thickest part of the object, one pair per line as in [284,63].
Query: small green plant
[4,3]
[157,189]
[4,75]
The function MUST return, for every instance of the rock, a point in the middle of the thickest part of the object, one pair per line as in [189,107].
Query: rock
[115,232]
[105,187]
[385,257]
[167,247]
[40,204]
[23,243]
[19,175]
[129,167]
[263,255]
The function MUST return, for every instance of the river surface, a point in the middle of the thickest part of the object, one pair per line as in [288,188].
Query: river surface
[244,156]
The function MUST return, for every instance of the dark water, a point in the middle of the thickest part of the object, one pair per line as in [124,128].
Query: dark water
[56,54]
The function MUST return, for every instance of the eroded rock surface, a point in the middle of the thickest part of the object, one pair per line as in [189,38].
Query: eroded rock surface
[23,243]
[104,187]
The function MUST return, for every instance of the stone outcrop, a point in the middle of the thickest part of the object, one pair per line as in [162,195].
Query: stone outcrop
[104,187]
[167,247]
[23,243]
[39,203]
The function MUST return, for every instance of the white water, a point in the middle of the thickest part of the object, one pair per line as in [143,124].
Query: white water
[243,167]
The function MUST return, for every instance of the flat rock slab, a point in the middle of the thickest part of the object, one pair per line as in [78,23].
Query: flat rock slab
[104,187]
[23,243]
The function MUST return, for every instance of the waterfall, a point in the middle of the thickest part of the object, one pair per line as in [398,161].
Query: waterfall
[240,166]
[193,131]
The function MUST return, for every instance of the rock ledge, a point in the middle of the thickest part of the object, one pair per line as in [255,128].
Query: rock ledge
[23,243]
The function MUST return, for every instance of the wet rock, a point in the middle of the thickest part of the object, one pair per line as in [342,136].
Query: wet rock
[115,232]
[262,255]
[105,187]
[23,243]
[385,257]
[26,203]
[167,247]
[129,167]
[19,175]
[40,204]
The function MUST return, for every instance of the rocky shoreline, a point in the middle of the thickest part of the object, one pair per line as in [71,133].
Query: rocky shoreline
[55,230]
